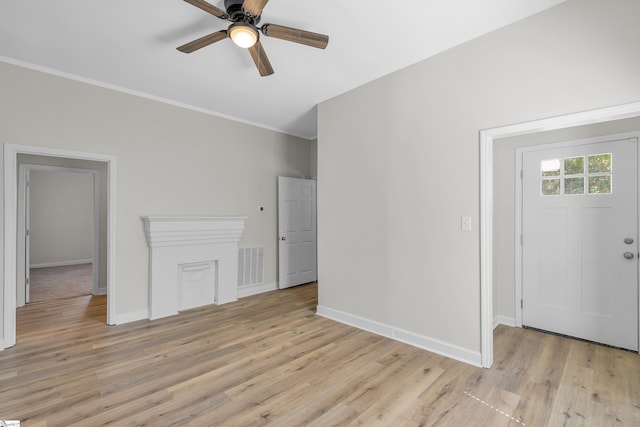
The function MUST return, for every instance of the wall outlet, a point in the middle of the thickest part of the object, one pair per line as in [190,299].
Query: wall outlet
[465,223]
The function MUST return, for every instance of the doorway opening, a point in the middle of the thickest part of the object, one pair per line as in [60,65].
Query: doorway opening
[488,138]
[104,243]
[61,229]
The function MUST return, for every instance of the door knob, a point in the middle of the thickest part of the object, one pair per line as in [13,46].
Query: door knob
[283,238]
[628,255]
[628,240]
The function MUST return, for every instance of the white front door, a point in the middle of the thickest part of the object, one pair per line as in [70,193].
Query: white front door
[297,231]
[580,241]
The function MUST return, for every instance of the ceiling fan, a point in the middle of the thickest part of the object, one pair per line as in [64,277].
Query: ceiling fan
[244,31]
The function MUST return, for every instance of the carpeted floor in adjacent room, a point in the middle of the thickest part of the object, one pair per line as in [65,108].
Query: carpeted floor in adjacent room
[49,283]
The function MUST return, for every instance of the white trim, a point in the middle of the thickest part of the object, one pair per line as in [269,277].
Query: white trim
[487,138]
[486,250]
[503,320]
[164,231]
[62,263]
[133,316]
[11,152]
[426,343]
[175,241]
[355,321]
[247,291]
[518,243]
[145,95]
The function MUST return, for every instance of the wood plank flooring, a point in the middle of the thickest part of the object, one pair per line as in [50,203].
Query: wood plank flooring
[268,359]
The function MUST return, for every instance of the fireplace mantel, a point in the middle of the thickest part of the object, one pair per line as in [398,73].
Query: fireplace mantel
[193,261]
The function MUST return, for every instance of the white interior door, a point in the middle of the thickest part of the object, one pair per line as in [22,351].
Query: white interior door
[579,243]
[297,231]
[22,243]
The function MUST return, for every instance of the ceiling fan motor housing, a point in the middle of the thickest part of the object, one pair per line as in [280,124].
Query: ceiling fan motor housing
[236,14]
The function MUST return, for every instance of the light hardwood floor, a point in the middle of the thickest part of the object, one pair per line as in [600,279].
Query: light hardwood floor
[269,359]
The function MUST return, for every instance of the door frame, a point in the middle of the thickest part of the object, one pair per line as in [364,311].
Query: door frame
[23,169]
[519,211]
[11,152]
[488,138]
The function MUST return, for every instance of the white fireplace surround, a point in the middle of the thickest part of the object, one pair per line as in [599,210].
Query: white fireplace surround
[193,261]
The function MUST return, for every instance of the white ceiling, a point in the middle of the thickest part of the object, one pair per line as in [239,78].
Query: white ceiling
[130,45]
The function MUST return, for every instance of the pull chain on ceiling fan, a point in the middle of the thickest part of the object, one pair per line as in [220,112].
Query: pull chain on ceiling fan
[244,16]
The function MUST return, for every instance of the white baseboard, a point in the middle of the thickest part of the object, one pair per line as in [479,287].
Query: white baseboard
[62,263]
[133,316]
[504,320]
[430,344]
[247,291]
[102,291]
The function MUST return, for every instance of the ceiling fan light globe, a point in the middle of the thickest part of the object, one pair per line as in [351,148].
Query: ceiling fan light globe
[243,35]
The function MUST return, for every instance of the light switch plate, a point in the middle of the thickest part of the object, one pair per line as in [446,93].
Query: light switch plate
[465,223]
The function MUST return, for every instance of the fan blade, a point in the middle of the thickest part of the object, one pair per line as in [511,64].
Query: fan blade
[208,8]
[254,7]
[297,36]
[203,41]
[260,58]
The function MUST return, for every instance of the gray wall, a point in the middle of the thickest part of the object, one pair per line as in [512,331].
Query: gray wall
[61,217]
[314,158]
[170,161]
[398,160]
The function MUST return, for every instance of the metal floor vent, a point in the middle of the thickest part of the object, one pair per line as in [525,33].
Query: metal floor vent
[250,266]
